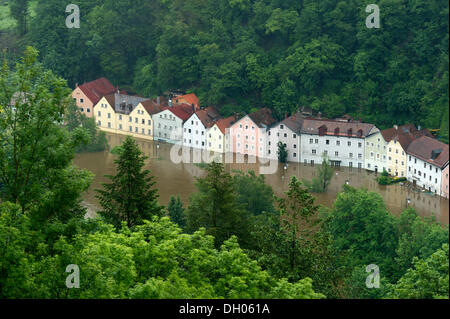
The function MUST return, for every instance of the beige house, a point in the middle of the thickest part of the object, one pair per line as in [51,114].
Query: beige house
[113,113]
[142,120]
[89,94]
[398,140]
[217,137]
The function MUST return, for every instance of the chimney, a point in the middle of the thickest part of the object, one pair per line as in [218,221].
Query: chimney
[158,101]
[76,84]
[285,115]
[170,102]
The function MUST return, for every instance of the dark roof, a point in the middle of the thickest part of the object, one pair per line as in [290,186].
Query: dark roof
[404,134]
[208,116]
[117,101]
[152,107]
[424,146]
[263,118]
[96,89]
[328,127]
[294,122]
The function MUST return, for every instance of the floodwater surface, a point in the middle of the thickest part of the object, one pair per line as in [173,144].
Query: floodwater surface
[179,180]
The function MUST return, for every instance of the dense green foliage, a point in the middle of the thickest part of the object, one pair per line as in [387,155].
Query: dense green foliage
[130,197]
[427,279]
[97,139]
[241,54]
[176,211]
[36,152]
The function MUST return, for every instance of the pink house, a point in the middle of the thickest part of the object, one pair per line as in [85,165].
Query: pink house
[88,94]
[248,135]
[444,189]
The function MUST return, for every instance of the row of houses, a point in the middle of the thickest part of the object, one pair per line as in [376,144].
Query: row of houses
[402,151]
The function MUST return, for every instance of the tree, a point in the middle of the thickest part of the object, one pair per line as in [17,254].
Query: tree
[36,151]
[131,196]
[19,11]
[97,139]
[176,211]
[282,152]
[215,208]
[253,194]
[361,226]
[427,279]
[325,173]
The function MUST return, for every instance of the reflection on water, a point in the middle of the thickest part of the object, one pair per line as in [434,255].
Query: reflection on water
[178,179]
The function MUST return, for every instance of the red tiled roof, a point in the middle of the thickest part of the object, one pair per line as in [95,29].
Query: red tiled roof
[422,148]
[225,123]
[189,99]
[208,116]
[404,134]
[95,90]
[182,111]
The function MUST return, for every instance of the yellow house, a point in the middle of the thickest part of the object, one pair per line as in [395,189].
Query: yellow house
[396,155]
[399,139]
[141,120]
[217,139]
[112,113]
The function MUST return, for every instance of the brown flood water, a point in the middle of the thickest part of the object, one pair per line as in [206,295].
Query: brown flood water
[178,179]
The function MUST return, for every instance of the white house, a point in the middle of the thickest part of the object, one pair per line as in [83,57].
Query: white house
[168,124]
[287,132]
[194,129]
[342,142]
[426,160]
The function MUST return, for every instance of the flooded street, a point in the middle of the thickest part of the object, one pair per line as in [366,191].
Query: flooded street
[178,179]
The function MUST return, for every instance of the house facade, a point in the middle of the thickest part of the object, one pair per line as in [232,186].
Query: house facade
[194,129]
[248,135]
[427,160]
[375,152]
[342,142]
[89,94]
[113,111]
[141,117]
[444,187]
[168,124]
[287,132]
[399,138]
[218,136]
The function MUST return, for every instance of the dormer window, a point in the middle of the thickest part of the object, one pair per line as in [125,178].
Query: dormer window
[350,132]
[336,131]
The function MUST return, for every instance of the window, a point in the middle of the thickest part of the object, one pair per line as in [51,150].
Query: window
[349,143]
[317,141]
[109,124]
[359,144]
[81,100]
[350,155]
[285,134]
[120,126]
[336,153]
[327,142]
[313,151]
[338,143]
[88,110]
[294,135]
[99,113]
[130,119]
[99,123]
[281,126]
[295,145]
[310,141]
[295,154]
